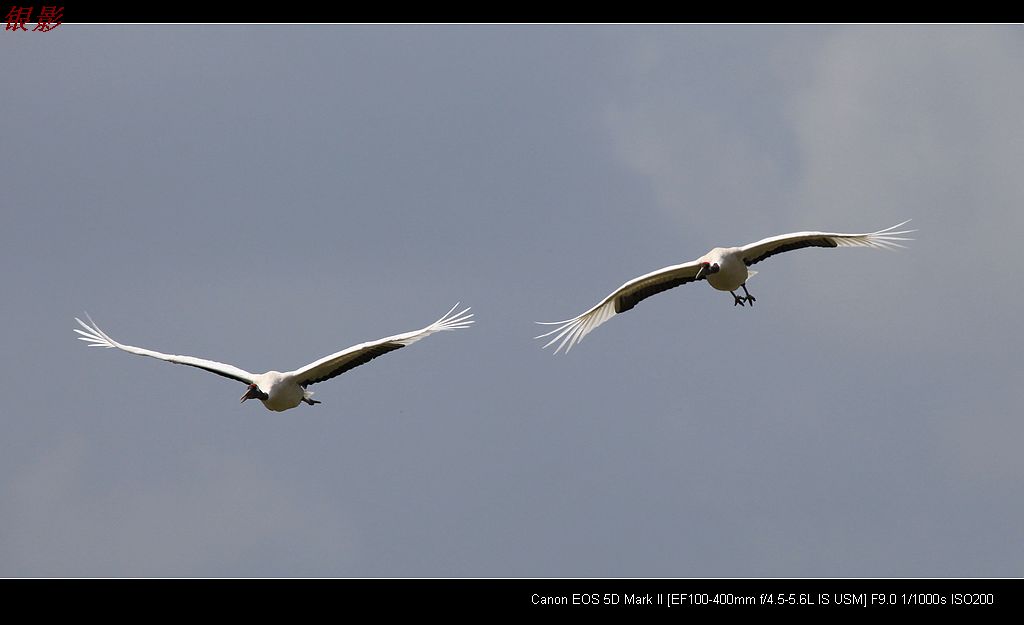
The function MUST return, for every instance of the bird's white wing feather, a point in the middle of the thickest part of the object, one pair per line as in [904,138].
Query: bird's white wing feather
[760,250]
[571,331]
[95,337]
[340,362]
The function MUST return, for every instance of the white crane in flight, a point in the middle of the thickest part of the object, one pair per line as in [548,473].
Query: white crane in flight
[281,391]
[725,268]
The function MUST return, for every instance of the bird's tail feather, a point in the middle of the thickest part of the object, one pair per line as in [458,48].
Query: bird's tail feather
[889,238]
[450,321]
[571,331]
[93,335]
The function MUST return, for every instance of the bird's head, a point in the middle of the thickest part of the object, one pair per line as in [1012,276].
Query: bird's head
[254,392]
[707,268]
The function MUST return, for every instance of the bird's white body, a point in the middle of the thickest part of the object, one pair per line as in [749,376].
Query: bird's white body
[732,272]
[281,391]
[724,268]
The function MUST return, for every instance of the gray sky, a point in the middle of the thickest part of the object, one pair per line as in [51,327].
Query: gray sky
[266,195]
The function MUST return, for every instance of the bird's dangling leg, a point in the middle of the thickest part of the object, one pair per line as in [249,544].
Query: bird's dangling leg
[737,299]
[749,298]
[311,401]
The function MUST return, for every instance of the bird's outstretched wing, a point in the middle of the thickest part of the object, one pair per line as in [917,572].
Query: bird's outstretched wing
[336,364]
[98,338]
[888,238]
[571,331]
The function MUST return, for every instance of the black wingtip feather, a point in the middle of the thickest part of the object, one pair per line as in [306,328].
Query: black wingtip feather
[363,358]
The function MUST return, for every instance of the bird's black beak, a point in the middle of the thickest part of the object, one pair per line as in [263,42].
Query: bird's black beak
[252,393]
[706,269]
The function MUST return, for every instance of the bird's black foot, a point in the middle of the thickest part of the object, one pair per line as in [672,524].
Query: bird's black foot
[750,298]
[311,401]
[737,299]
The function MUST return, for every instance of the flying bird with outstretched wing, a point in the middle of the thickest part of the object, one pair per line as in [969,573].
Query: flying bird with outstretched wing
[724,268]
[281,391]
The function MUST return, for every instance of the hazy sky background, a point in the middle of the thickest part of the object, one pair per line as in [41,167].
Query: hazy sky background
[266,195]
